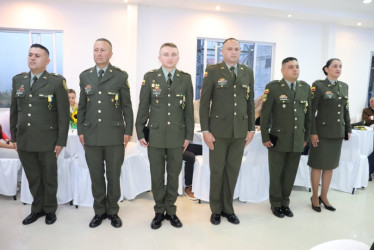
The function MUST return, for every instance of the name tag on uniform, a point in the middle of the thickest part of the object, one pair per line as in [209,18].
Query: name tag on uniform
[222,82]
[329,95]
[283,98]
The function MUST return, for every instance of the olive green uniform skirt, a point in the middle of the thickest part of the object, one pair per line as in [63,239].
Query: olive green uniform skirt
[326,155]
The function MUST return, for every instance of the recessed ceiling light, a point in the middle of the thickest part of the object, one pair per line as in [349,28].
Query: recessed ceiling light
[125,1]
[289,16]
[366,1]
[359,24]
[218,7]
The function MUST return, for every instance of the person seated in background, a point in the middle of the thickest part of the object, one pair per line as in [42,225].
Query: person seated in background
[189,156]
[4,140]
[258,108]
[72,97]
[6,146]
[368,113]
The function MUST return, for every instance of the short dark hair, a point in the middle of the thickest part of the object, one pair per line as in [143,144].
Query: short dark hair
[288,59]
[230,39]
[328,63]
[104,40]
[37,45]
[71,91]
[172,45]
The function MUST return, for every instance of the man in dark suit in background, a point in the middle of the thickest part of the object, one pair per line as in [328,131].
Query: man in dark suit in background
[39,122]
[166,100]
[105,122]
[227,123]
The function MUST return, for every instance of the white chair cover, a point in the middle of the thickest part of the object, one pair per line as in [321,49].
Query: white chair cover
[303,173]
[8,176]
[201,177]
[64,188]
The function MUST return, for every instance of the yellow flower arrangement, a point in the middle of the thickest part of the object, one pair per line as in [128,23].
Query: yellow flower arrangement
[74,117]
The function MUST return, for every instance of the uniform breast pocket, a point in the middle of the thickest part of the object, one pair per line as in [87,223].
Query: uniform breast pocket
[20,97]
[181,100]
[221,83]
[114,98]
[246,90]
[89,95]
[48,99]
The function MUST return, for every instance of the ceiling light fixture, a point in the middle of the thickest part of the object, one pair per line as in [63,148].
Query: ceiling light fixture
[359,24]
[218,7]
[366,1]
[289,16]
[125,1]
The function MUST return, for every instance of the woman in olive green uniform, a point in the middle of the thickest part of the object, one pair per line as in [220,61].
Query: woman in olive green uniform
[330,124]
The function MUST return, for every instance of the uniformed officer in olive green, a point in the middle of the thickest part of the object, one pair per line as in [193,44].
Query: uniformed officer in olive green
[227,122]
[166,103]
[105,123]
[286,111]
[330,124]
[39,123]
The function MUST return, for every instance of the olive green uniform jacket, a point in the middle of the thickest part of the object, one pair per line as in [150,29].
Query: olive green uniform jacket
[170,113]
[330,109]
[104,112]
[39,117]
[287,115]
[227,107]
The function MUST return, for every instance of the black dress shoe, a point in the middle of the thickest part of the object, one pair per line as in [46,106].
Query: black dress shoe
[157,221]
[174,220]
[277,211]
[96,220]
[215,219]
[32,218]
[317,209]
[50,218]
[287,211]
[331,208]
[115,220]
[232,218]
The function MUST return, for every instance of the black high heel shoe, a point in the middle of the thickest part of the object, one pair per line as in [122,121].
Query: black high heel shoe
[331,208]
[317,209]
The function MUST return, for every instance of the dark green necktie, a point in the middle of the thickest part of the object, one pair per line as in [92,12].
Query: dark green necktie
[169,81]
[232,71]
[292,87]
[34,79]
[101,73]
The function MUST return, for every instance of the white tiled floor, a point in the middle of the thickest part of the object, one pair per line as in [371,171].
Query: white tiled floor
[258,228]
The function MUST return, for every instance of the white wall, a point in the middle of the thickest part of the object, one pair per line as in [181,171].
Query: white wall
[136,51]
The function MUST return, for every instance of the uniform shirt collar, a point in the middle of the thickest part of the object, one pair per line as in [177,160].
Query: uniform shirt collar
[289,83]
[32,76]
[167,72]
[235,66]
[98,69]
[332,82]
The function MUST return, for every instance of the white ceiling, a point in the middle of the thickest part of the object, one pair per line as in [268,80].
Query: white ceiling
[342,12]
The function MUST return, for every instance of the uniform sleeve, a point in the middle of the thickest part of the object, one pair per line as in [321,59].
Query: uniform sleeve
[63,110]
[82,107]
[251,104]
[267,104]
[13,119]
[127,107]
[308,116]
[189,111]
[205,99]
[315,100]
[347,118]
[143,109]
